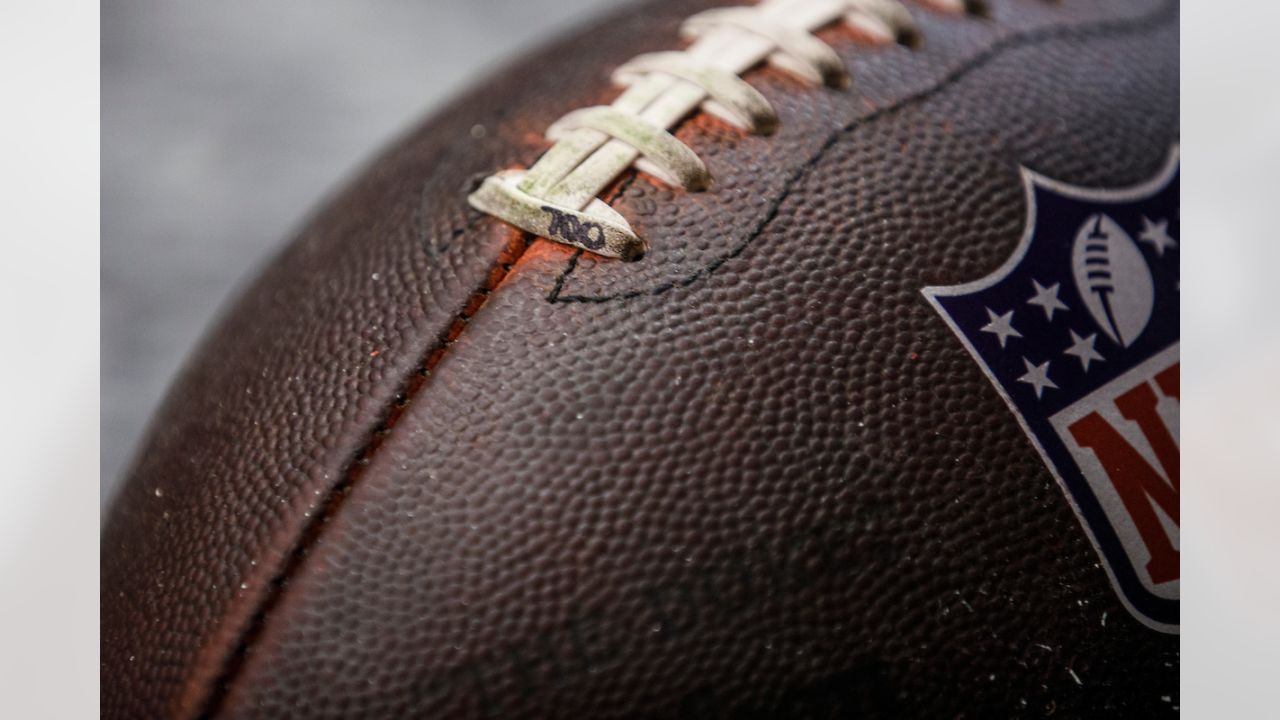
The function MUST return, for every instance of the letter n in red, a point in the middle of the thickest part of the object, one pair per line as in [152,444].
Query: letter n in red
[1136,482]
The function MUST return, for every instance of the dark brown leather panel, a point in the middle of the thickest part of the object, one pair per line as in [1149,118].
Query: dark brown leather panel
[281,396]
[755,475]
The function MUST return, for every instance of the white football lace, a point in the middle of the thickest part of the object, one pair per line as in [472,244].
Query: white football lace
[556,198]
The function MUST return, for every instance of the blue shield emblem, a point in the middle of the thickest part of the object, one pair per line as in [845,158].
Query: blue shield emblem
[1078,332]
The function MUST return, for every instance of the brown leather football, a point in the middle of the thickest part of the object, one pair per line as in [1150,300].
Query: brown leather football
[816,358]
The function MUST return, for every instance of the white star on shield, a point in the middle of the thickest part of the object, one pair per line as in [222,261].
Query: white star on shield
[1001,326]
[1157,234]
[1082,347]
[1037,376]
[1047,298]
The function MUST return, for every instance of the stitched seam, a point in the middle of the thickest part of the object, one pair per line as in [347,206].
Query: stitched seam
[335,497]
[1034,37]
[354,470]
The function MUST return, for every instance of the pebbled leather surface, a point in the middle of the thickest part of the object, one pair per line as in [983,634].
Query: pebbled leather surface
[752,475]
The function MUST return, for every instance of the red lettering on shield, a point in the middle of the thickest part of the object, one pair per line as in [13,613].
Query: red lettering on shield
[1137,483]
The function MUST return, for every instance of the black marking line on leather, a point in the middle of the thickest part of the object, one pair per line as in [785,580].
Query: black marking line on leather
[1101,29]
[577,253]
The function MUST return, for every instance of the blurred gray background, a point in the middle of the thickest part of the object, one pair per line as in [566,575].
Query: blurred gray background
[224,123]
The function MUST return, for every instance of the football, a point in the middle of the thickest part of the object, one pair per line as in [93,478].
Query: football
[798,358]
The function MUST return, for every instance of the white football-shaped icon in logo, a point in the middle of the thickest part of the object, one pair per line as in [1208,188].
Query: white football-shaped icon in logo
[1113,278]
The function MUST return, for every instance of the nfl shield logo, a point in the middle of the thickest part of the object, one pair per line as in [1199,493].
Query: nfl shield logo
[1078,332]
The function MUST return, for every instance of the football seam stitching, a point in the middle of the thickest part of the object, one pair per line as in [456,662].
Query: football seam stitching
[335,497]
[1010,42]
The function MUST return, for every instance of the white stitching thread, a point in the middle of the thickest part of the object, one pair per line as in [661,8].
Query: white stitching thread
[556,198]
